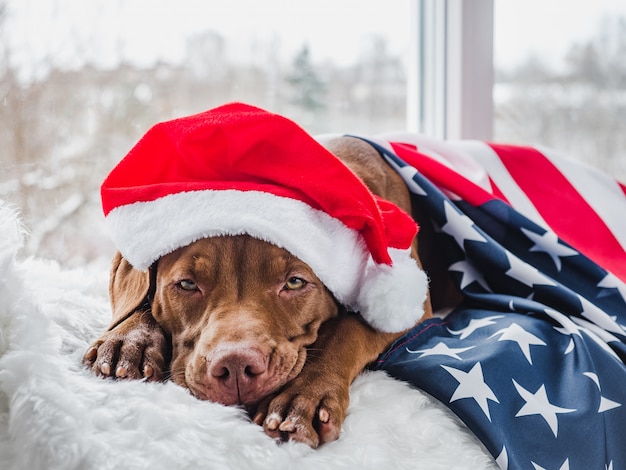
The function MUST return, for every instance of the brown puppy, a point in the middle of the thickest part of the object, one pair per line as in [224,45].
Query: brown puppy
[240,321]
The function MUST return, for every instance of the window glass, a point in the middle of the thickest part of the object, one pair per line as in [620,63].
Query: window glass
[81,81]
[561,78]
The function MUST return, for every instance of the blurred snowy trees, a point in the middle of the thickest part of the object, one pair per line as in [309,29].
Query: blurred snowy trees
[63,130]
[309,89]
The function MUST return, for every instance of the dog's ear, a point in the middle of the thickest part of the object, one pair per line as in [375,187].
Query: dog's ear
[129,289]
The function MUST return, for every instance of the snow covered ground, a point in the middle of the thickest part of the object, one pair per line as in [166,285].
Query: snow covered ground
[55,415]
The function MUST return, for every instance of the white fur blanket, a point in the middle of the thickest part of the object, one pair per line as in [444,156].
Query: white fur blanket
[56,415]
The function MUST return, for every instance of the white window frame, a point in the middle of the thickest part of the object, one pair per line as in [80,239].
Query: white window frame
[450,79]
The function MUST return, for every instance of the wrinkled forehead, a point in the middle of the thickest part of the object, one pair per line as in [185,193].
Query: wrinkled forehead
[241,255]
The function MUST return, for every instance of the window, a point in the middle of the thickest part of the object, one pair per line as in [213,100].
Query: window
[450,90]
[560,79]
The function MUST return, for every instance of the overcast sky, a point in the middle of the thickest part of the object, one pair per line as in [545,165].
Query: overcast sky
[547,27]
[143,31]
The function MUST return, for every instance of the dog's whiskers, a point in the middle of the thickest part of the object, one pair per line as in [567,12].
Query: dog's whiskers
[314,352]
[174,374]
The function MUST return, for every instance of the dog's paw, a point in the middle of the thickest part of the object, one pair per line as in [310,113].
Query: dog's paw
[137,348]
[310,412]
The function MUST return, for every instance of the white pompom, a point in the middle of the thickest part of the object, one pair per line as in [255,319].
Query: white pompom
[391,298]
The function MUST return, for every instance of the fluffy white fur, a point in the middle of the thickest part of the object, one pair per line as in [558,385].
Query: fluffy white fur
[56,415]
[336,253]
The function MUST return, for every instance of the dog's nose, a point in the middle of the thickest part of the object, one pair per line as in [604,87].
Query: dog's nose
[244,364]
[238,372]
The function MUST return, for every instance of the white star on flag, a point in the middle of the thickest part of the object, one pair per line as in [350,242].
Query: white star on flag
[469,274]
[503,459]
[598,335]
[599,317]
[459,226]
[519,335]
[611,281]
[407,173]
[538,404]
[525,273]
[605,403]
[472,385]
[474,325]
[549,243]
[441,349]
[568,326]
[565,466]
[594,378]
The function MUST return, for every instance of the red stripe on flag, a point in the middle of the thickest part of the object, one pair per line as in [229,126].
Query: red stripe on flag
[441,175]
[562,207]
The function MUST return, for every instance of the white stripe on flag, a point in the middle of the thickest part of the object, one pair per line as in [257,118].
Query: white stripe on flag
[489,159]
[598,189]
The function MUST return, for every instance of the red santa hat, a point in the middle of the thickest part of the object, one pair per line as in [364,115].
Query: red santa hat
[237,169]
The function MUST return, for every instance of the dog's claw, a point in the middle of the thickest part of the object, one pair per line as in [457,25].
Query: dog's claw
[148,371]
[323,415]
[105,368]
[91,354]
[272,422]
[121,372]
[258,419]
[288,425]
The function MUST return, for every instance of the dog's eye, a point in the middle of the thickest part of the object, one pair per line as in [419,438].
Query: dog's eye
[188,285]
[294,283]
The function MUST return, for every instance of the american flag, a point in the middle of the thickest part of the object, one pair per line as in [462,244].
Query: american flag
[533,360]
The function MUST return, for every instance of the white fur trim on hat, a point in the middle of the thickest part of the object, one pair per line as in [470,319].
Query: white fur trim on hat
[145,231]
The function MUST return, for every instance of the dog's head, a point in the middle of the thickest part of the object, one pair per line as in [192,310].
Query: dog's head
[241,313]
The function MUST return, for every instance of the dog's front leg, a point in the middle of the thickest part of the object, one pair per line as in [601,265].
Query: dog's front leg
[311,408]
